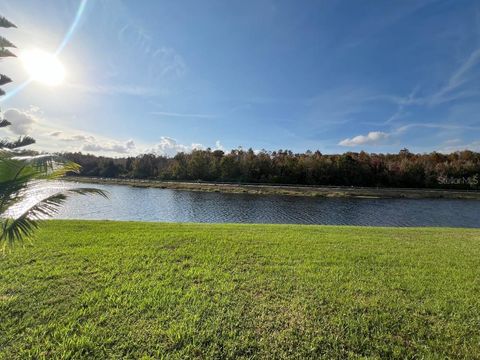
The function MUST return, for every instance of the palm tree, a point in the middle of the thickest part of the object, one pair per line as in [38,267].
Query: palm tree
[21,172]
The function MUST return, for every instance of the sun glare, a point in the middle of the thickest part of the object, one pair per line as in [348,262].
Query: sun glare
[43,67]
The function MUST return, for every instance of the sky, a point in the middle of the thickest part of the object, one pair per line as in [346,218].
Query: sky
[167,76]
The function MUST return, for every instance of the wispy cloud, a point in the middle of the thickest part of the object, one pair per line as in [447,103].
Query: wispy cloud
[169,61]
[163,61]
[79,137]
[337,106]
[452,90]
[134,90]
[402,105]
[184,115]
[458,78]
[455,88]
[407,127]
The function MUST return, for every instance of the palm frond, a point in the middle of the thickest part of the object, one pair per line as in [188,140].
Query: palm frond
[4,123]
[20,177]
[14,178]
[68,167]
[89,191]
[17,172]
[15,229]
[5,43]
[6,53]
[10,168]
[20,142]
[4,79]
[39,159]
[4,152]
[6,23]
[50,167]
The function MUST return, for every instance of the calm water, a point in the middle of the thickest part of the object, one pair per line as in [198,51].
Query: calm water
[128,203]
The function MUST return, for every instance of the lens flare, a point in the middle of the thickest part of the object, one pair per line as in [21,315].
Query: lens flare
[71,30]
[43,67]
[66,39]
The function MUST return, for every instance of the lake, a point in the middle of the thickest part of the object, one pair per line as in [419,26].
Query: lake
[150,204]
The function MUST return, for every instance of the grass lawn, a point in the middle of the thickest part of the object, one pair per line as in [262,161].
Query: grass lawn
[132,290]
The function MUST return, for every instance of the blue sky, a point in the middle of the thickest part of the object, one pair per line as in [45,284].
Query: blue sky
[329,75]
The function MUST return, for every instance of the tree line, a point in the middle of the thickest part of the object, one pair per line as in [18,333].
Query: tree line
[404,169]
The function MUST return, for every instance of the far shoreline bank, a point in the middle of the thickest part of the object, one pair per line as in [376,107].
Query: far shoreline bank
[288,190]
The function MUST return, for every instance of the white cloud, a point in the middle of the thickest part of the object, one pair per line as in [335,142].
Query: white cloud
[109,147]
[34,109]
[79,137]
[169,147]
[372,138]
[93,147]
[22,122]
[50,138]
[93,144]
[219,146]
[455,145]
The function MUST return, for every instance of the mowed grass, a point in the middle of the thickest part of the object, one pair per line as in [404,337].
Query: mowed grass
[148,290]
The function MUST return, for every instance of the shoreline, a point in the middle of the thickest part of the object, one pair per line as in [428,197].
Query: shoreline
[288,190]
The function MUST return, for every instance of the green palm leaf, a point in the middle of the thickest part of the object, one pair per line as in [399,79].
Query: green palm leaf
[23,225]
[6,43]
[6,23]
[4,79]
[49,166]
[18,177]
[6,53]
[20,142]
[4,123]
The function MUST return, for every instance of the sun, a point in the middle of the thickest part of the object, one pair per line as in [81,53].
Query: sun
[43,67]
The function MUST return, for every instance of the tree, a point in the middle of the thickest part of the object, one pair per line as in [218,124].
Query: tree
[21,172]
[110,169]
[144,166]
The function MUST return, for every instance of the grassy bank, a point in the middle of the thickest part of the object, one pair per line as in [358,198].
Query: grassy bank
[291,190]
[127,290]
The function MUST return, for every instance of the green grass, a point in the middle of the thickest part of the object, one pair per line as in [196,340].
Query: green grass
[132,290]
